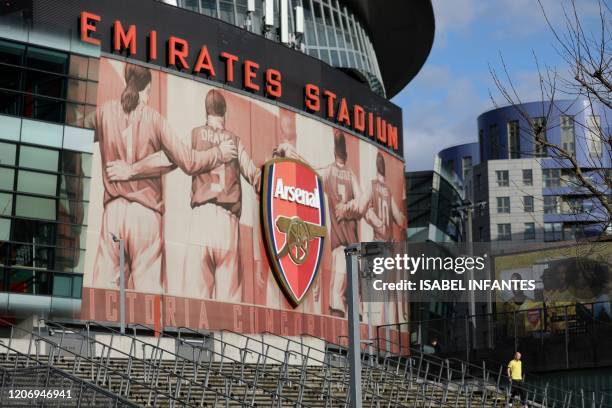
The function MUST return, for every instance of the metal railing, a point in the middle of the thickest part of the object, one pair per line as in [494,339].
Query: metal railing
[485,382]
[271,371]
[186,377]
[543,332]
[57,385]
[142,378]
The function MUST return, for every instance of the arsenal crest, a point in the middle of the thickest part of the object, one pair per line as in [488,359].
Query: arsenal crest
[293,213]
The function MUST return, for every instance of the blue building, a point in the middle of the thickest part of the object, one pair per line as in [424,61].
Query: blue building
[531,192]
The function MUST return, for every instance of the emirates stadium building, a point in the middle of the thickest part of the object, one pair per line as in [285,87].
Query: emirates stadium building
[218,154]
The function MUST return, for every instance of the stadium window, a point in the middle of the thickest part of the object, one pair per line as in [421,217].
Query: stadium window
[76,163]
[6,204]
[92,69]
[37,183]
[77,286]
[35,207]
[528,204]
[78,67]
[514,140]
[529,233]
[190,5]
[10,77]
[45,84]
[226,7]
[47,60]
[39,83]
[37,158]
[74,188]
[502,178]
[504,232]
[34,232]
[5,231]
[47,109]
[503,205]
[7,154]
[11,103]
[7,179]
[11,53]
[62,285]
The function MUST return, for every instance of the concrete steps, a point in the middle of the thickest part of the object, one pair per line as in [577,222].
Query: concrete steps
[225,380]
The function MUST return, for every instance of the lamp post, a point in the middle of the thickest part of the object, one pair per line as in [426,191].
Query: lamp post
[352,253]
[121,281]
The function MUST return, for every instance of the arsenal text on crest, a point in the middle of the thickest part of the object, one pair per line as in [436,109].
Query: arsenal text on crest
[296,194]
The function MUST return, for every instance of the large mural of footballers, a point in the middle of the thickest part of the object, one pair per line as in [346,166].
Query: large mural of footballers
[176,175]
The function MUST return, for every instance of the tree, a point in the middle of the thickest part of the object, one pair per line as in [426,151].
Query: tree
[585,79]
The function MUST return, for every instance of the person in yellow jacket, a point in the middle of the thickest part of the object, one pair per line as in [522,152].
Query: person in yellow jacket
[515,372]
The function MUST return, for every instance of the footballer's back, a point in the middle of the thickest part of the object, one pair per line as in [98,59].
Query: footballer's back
[221,185]
[339,189]
[381,204]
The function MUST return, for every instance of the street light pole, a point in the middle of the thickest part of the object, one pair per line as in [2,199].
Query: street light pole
[121,282]
[352,253]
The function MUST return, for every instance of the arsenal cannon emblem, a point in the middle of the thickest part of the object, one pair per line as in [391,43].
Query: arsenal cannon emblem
[293,215]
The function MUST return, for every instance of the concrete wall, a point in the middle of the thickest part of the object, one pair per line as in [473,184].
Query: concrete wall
[228,347]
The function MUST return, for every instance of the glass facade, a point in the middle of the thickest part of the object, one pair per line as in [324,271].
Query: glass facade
[433,204]
[46,85]
[44,185]
[332,33]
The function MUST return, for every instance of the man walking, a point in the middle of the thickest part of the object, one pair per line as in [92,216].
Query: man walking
[515,372]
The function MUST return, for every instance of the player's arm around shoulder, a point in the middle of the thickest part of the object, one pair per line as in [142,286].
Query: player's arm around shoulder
[248,169]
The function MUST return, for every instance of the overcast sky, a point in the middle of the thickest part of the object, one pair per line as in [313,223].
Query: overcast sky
[442,103]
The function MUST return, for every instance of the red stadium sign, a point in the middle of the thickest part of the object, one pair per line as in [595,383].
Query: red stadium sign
[293,211]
